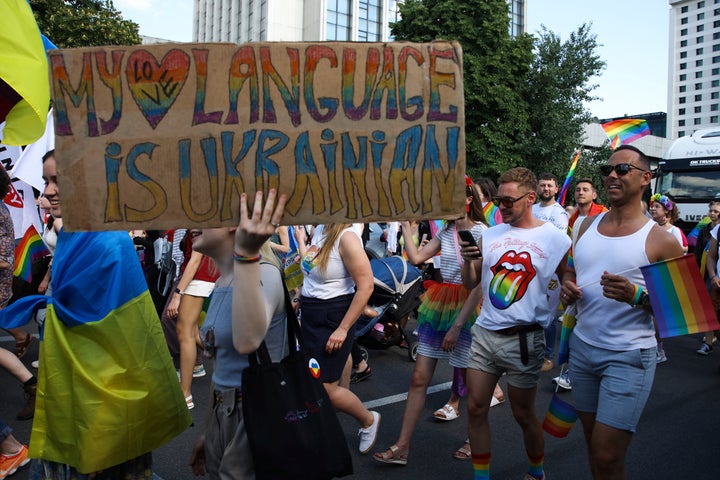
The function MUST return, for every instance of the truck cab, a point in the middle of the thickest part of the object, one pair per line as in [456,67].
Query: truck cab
[689,173]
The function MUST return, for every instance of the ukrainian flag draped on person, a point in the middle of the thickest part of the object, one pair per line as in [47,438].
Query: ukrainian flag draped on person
[107,390]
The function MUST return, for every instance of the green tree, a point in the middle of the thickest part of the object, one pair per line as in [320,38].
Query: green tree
[524,96]
[558,85]
[84,23]
[495,68]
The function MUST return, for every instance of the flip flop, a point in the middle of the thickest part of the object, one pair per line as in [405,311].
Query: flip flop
[393,458]
[463,453]
[446,413]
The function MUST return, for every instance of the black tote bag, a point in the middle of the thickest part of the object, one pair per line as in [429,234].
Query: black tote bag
[291,425]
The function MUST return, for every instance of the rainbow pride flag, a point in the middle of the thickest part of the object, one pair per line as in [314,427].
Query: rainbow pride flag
[492,214]
[30,249]
[693,235]
[568,323]
[568,179]
[679,298]
[560,417]
[625,131]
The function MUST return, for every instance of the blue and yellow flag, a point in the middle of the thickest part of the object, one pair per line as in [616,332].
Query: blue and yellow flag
[107,391]
[24,84]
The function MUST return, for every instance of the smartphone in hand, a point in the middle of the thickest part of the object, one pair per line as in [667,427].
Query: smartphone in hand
[467,236]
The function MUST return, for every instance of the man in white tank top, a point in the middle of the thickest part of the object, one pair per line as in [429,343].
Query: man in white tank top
[514,265]
[612,349]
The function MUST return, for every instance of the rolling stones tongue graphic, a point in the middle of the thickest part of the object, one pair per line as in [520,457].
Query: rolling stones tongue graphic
[511,276]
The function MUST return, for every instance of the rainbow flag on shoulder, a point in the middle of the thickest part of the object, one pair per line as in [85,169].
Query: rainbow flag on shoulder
[30,249]
[679,298]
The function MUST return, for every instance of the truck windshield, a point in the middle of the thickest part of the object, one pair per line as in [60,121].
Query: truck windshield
[698,185]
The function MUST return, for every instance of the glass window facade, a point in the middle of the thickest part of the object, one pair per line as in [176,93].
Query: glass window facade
[339,18]
[370,21]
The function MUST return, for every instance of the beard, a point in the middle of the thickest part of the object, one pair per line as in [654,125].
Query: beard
[546,198]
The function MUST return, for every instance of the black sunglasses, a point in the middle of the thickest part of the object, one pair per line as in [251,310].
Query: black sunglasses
[621,169]
[508,202]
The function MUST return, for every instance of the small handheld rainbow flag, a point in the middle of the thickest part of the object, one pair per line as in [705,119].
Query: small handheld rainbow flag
[560,417]
[625,130]
[693,235]
[679,298]
[568,179]
[30,249]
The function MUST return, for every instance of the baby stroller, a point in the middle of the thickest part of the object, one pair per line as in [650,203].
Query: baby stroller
[396,293]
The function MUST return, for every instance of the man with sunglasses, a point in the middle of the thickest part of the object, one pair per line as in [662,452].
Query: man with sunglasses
[585,196]
[513,264]
[612,348]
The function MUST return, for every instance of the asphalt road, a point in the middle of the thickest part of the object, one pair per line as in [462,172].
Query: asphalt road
[677,437]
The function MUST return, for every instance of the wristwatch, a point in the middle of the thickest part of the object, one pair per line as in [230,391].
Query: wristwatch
[178,291]
[643,300]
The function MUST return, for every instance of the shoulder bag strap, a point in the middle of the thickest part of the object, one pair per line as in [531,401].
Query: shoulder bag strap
[294,335]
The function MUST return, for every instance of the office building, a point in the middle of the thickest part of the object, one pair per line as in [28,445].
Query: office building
[693,66]
[240,21]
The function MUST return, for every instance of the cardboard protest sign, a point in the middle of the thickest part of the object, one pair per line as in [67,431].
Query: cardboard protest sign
[169,135]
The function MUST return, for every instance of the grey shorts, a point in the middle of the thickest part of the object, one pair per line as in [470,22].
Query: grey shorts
[614,385]
[495,353]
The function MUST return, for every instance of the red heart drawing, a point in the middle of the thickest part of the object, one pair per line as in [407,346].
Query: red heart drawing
[155,86]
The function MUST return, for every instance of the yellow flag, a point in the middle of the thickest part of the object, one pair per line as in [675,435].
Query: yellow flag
[23,68]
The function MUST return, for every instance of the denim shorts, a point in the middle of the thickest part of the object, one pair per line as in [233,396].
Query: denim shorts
[494,353]
[615,385]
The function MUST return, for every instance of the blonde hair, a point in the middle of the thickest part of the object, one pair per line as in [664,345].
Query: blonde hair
[331,232]
[269,255]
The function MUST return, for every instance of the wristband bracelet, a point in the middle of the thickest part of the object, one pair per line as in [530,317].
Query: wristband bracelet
[243,259]
[636,297]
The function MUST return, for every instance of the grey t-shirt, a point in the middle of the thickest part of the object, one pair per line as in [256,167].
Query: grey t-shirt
[229,364]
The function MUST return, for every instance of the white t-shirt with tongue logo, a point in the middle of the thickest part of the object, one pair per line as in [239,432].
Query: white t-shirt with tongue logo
[517,265]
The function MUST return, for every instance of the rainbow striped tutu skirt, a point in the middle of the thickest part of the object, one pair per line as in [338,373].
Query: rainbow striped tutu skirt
[441,304]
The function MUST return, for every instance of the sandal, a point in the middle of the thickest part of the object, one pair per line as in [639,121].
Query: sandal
[393,458]
[358,377]
[446,413]
[22,347]
[464,452]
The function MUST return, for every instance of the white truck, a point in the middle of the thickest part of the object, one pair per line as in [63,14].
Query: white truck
[689,173]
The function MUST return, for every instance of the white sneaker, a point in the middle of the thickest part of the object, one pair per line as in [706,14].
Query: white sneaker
[199,371]
[369,435]
[495,402]
[661,357]
[563,381]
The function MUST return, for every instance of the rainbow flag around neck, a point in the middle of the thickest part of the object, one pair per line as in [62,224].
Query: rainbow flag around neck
[681,303]
[30,249]
[625,131]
